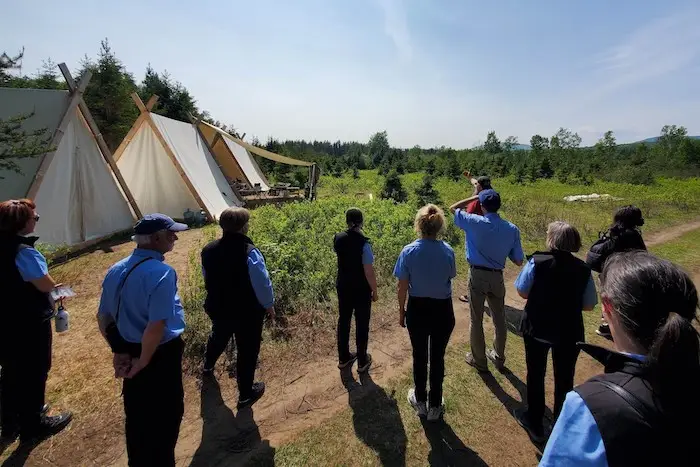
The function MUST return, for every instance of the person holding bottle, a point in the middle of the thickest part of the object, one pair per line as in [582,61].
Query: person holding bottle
[25,333]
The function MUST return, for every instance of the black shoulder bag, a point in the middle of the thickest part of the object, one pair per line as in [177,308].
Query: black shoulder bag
[115,339]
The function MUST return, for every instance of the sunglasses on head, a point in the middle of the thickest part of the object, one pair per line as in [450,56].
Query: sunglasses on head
[37,217]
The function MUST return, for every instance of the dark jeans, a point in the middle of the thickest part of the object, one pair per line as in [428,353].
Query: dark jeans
[361,306]
[248,334]
[154,405]
[25,356]
[564,358]
[430,323]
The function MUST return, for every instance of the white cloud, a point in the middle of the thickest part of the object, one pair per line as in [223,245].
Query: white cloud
[396,27]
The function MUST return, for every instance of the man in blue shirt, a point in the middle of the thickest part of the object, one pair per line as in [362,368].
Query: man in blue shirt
[139,296]
[489,241]
[239,295]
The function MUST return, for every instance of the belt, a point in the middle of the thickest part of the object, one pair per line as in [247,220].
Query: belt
[484,268]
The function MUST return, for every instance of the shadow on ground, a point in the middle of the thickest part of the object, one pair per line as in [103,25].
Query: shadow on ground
[508,401]
[20,455]
[228,439]
[446,449]
[376,418]
[513,317]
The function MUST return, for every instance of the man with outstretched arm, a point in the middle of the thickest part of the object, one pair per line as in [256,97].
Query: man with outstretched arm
[141,317]
[490,240]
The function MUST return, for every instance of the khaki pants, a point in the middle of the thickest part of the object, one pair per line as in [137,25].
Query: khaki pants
[487,286]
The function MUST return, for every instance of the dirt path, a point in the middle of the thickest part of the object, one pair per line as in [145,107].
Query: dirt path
[671,233]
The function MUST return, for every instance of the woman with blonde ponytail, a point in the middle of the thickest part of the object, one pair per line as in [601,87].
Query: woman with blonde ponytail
[425,269]
[643,409]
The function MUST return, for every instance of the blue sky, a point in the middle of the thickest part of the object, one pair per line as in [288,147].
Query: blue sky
[441,72]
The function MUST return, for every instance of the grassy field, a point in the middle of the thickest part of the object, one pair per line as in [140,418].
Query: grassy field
[684,251]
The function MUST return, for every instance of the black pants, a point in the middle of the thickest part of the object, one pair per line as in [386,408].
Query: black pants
[430,323]
[361,306]
[25,356]
[248,334]
[154,405]
[564,358]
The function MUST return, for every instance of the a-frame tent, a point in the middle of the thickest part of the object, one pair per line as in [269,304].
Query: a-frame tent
[76,185]
[169,167]
[235,157]
[235,161]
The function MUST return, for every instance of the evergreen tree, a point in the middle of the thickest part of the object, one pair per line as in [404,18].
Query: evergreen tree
[393,189]
[430,167]
[427,193]
[15,143]
[108,95]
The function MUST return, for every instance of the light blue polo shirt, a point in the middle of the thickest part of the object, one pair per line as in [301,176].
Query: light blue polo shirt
[429,266]
[490,239]
[31,264]
[149,294]
[526,279]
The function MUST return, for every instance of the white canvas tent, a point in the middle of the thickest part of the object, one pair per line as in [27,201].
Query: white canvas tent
[235,160]
[79,193]
[169,167]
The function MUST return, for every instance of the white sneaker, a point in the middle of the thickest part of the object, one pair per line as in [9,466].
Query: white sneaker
[434,414]
[421,408]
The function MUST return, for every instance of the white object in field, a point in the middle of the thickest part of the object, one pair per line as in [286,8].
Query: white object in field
[61,319]
[591,197]
[371,197]
[75,189]
[170,168]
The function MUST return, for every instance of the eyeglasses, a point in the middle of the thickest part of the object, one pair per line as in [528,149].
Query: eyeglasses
[37,217]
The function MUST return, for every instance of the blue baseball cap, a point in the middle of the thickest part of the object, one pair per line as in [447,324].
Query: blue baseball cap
[490,199]
[152,223]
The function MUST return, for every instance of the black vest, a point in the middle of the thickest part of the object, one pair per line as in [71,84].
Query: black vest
[555,303]
[230,292]
[23,304]
[655,438]
[351,273]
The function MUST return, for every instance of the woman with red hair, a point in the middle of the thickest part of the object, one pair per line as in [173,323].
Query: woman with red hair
[25,332]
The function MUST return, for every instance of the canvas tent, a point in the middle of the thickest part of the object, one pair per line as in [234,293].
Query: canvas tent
[234,157]
[235,161]
[80,194]
[169,167]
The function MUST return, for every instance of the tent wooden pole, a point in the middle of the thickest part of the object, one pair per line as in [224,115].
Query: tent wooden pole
[129,136]
[152,101]
[101,143]
[182,173]
[47,157]
[139,103]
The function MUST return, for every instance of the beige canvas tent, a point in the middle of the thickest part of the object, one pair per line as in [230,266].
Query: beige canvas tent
[169,167]
[80,194]
[236,161]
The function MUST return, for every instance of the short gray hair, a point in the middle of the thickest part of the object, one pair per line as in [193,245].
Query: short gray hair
[233,219]
[144,239]
[563,237]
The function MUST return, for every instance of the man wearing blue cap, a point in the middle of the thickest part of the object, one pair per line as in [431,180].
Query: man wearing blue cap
[141,317]
[490,240]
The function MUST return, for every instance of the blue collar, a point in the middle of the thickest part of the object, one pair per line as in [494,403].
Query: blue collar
[145,253]
[490,215]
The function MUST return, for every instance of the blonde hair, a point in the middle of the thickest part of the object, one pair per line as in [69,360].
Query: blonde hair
[563,237]
[430,221]
[233,220]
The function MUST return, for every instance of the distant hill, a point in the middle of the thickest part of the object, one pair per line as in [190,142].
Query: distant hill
[655,139]
[522,147]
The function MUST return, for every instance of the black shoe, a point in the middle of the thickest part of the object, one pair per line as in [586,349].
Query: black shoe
[49,426]
[345,363]
[256,393]
[45,410]
[364,367]
[8,436]
[535,432]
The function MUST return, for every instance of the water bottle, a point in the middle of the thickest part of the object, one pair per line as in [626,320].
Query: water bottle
[62,318]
